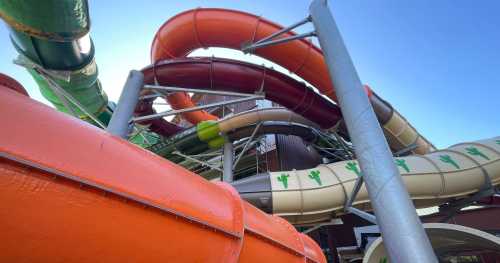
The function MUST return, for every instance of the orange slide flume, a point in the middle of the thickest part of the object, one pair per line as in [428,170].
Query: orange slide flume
[74,193]
[212,27]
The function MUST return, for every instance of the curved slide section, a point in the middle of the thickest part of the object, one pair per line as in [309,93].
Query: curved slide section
[81,185]
[260,115]
[312,195]
[446,240]
[231,75]
[210,134]
[54,35]
[275,127]
[399,133]
[212,27]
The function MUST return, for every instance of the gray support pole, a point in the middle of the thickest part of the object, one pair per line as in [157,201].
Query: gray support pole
[227,175]
[120,120]
[402,231]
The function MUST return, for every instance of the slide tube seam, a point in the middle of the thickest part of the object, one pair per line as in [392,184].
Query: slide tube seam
[438,170]
[476,144]
[105,189]
[346,194]
[487,177]
[476,166]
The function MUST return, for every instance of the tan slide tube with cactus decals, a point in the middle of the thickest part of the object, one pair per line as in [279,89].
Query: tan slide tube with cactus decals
[318,194]
[400,134]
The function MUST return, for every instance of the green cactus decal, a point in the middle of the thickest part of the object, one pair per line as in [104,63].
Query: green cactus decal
[383,260]
[475,151]
[352,166]
[449,160]
[402,163]
[314,174]
[283,178]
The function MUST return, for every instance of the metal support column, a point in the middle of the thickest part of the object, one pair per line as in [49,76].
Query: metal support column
[227,175]
[402,231]
[120,120]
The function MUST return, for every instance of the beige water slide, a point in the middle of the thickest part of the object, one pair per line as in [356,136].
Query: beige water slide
[446,239]
[318,194]
[260,115]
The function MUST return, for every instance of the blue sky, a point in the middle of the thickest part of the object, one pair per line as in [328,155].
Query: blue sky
[436,62]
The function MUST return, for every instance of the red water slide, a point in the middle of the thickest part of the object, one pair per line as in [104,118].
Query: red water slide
[231,75]
[212,27]
[75,193]
[10,83]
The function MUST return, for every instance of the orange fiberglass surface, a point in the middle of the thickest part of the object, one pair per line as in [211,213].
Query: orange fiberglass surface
[74,193]
[212,27]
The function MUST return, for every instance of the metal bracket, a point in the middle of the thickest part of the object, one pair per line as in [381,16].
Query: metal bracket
[406,150]
[151,96]
[366,216]
[348,204]
[197,161]
[329,153]
[247,143]
[357,186]
[334,221]
[268,41]
[451,209]
[196,108]
[199,91]
[60,92]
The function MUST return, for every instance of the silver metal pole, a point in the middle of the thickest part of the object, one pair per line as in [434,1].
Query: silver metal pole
[196,108]
[227,174]
[277,41]
[402,231]
[120,120]
[200,91]
[284,30]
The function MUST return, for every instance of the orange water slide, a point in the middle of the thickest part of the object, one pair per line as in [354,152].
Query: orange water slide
[212,27]
[71,192]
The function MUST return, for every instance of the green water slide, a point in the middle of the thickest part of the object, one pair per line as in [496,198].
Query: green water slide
[53,35]
[53,42]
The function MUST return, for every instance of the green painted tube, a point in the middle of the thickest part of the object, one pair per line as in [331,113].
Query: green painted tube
[217,142]
[54,55]
[55,20]
[198,139]
[207,130]
[83,85]
[53,34]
